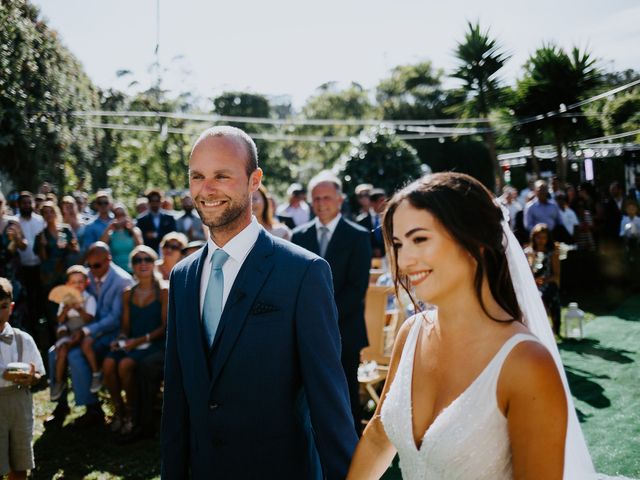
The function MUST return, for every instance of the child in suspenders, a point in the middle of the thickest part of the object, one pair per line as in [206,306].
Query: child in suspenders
[16,405]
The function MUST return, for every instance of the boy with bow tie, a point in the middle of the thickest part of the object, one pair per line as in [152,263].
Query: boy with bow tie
[16,405]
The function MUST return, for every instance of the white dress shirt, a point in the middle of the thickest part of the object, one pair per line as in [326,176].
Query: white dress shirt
[237,248]
[299,214]
[331,226]
[9,353]
[31,227]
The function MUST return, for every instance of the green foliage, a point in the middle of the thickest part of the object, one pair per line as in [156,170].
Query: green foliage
[380,158]
[553,80]
[415,92]
[479,60]
[622,114]
[40,83]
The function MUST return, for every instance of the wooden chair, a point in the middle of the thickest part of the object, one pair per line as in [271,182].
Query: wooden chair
[378,322]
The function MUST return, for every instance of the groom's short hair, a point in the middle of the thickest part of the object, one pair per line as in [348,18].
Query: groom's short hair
[236,133]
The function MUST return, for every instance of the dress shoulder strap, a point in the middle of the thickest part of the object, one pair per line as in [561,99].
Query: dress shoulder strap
[498,360]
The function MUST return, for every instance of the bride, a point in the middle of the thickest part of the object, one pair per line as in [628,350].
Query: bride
[476,390]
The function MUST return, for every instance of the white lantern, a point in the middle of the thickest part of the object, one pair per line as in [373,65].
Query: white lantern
[573,322]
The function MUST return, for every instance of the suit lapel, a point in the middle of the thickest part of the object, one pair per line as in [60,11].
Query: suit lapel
[195,329]
[245,289]
[311,239]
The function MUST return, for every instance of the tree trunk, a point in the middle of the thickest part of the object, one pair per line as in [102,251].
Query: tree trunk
[561,168]
[490,141]
[534,160]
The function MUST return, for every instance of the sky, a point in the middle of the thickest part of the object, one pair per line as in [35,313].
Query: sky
[290,47]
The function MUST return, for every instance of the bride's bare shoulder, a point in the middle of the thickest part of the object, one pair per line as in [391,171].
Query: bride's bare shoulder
[529,371]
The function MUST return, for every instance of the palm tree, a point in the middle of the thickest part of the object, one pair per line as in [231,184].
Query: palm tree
[480,58]
[554,80]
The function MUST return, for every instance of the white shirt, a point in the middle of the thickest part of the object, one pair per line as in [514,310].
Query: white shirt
[331,226]
[569,219]
[238,248]
[73,317]
[30,228]
[9,353]
[299,214]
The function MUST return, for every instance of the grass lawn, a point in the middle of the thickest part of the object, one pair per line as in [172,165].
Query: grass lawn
[603,369]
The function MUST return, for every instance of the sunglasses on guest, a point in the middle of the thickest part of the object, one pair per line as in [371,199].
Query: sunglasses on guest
[94,266]
[139,260]
[102,202]
[172,246]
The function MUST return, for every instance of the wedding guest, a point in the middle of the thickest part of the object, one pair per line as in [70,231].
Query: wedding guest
[544,260]
[57,247]
[94,230]
[261,207]
[189,222]
[583,232]
[509,199]
[38,200]
[171,247]
[144,320]
[71,217]
[72,316]
[107,281]
[296,208]
[142,205]
[362,192]
[155,223]
[569,217]
[54,245]
[542,209]
[82,202]
[16,404]
[372,221]
[11,239]
[122,236]
[475,387]
[630,229]
[31,225]
[346,247]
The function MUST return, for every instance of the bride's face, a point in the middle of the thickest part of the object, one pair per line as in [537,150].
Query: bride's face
[437,266]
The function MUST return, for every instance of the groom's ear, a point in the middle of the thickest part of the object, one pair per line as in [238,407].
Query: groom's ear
[255,179]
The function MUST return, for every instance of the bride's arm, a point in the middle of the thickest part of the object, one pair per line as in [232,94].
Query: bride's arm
[531,395]
[375,452]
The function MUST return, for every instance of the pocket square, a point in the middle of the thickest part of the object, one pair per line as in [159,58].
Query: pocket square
[260,308]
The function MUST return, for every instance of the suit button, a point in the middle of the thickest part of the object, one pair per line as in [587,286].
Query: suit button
[213,406]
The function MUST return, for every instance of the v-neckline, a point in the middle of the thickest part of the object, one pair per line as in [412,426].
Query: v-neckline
[453,402]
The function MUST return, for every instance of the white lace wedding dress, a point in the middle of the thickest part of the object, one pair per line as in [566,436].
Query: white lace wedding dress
[468,439]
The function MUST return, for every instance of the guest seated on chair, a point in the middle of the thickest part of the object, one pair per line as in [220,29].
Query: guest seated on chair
[144,320]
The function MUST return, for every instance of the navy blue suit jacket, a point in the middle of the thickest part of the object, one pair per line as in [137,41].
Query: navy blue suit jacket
[152,236]
[237,409]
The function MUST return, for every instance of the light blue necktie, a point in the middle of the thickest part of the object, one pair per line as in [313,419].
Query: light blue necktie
[212,309]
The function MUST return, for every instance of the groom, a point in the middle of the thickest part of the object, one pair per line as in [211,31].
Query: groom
[253,380]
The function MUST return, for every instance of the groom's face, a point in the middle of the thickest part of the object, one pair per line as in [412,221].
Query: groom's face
[219,184]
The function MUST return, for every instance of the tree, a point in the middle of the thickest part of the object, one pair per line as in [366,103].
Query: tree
[380,158]
[553,80]
[277,171]
[622,114]
[41,83]
[480,59]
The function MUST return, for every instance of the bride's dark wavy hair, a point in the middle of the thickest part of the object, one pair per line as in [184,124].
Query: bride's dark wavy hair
[465,208]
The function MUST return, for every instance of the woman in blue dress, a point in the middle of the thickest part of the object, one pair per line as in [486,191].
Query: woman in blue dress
[144,320]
